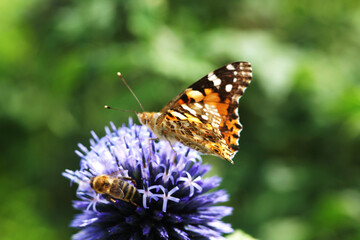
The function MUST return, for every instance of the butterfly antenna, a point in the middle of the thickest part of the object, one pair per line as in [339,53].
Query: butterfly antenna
[120,110]
[119,74]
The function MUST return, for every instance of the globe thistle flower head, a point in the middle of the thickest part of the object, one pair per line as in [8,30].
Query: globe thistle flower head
[173,199]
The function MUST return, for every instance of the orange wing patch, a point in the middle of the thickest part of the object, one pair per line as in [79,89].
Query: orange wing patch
[231,132]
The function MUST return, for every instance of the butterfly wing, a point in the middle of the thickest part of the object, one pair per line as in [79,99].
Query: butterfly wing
[213,100]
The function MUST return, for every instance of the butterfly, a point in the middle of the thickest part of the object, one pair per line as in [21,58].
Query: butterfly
[205,116]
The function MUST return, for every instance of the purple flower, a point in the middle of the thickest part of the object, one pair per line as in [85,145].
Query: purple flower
[174,202]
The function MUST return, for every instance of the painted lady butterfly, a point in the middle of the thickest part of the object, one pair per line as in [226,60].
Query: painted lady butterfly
[205,116]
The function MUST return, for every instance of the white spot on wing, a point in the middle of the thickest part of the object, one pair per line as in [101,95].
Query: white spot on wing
[230,67]
[243,89]
[198,105]
[212,76]
[179,115]
[235,80]
[228,87]
[204,117]
[192,111]
[217,82]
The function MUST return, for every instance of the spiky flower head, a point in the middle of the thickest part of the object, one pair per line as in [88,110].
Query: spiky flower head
[174,202]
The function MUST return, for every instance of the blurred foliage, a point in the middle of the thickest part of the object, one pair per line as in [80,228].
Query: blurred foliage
[239,235]
[296,176]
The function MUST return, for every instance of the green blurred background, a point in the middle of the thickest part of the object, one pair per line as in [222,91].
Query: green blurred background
[296,175]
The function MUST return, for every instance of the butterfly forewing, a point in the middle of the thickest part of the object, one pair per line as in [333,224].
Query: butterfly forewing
[208,110]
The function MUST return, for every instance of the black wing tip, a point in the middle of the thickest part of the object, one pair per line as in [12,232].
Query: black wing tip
[236,147]
[241,63]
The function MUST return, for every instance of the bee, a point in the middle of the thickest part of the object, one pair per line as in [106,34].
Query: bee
[115,187]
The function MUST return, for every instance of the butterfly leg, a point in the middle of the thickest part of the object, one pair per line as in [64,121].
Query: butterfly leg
[151,139]
[154,139]
[175,153]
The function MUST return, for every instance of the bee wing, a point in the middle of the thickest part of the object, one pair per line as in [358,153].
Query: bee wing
[120,172]
[116,192]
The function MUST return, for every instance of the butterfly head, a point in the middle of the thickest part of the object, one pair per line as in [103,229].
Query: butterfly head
[148,118]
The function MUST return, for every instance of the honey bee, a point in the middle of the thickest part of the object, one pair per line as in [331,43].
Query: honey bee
[115,187]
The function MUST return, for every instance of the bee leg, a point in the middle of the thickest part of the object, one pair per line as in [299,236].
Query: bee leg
[110,199]
[129,179]
[134,182]
[133,203]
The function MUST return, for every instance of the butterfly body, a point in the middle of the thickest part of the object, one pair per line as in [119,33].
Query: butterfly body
[205,116]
